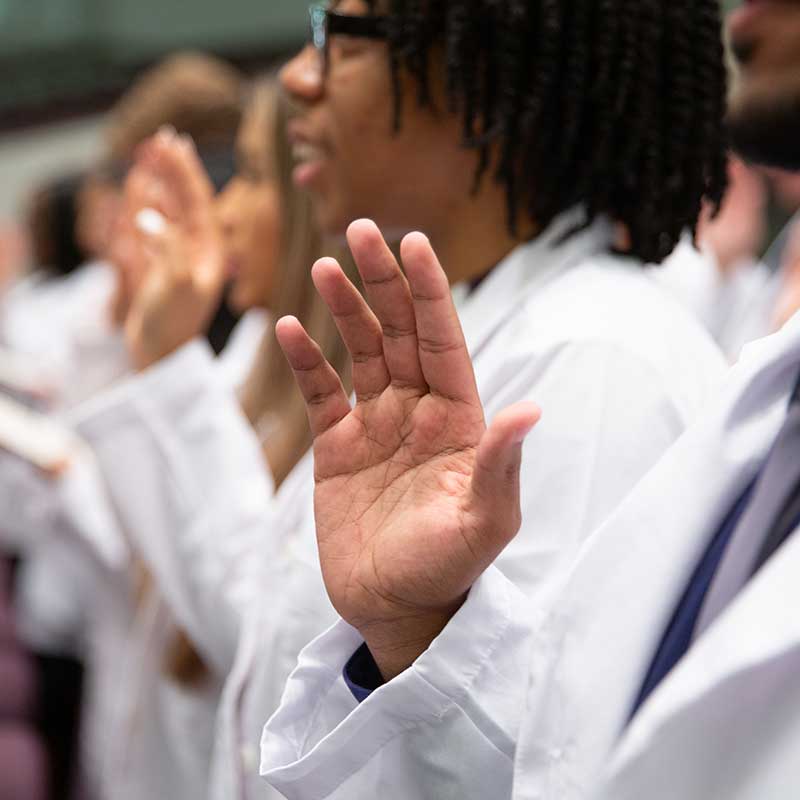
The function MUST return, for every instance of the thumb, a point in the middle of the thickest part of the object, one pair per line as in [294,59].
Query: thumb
[495,479]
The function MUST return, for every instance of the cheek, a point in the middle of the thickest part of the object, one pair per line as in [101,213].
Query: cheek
[262,235]
[265,221]
[362,104]
[780,48]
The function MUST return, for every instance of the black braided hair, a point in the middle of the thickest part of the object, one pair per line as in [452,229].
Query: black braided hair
[613,105]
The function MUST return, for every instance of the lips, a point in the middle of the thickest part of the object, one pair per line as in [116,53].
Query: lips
[309,154]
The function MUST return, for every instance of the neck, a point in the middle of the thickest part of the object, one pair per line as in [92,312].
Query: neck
[473,238]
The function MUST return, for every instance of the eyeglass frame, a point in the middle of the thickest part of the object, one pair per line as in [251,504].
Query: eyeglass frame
[326,23]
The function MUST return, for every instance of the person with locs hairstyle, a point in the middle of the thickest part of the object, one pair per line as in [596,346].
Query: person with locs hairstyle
[541,200]
[663,664]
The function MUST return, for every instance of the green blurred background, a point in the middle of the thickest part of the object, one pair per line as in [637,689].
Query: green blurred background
[55,54]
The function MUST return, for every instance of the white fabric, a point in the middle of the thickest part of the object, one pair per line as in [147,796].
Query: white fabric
[64,323]
[76,596]
[203,514]
[736,308]
[619,367]
[188,480]
[240,352]
[530,700]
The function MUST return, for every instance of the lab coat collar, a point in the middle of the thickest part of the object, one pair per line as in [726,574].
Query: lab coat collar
[759,627]
[591,654]
[524,271]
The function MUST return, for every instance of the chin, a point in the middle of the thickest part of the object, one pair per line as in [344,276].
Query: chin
[238,301]
[764,124]
[331,222]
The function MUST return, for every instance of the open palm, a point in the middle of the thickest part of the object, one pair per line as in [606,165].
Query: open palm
[185,273]
[414,496]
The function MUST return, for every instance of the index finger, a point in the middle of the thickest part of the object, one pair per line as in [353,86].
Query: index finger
[443,353]
[183,171]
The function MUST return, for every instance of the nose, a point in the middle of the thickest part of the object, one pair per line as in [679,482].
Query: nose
[302,77]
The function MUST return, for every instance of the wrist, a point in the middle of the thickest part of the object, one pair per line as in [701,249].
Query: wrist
[395,645]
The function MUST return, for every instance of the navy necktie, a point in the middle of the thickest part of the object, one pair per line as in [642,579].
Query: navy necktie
[762,515]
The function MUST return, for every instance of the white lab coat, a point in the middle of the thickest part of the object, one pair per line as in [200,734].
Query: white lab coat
[77,594]
[530,698]
[64,325]
[32,506]
[620,368]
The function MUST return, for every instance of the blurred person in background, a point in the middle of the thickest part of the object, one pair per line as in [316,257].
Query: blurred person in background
[739,291]
[62,317]
[723,283]
[75,285]
[234,521]
[739,294]
[182,480]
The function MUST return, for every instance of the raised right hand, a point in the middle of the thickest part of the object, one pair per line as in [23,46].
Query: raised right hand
[185,273]
[414,496]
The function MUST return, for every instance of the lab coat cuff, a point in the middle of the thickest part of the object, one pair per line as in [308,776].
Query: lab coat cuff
[300,763]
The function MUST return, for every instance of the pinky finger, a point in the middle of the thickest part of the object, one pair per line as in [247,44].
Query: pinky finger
[322,390]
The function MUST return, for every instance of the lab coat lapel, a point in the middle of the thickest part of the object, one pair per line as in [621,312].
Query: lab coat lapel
[525,270]
[765,611]
[591,653]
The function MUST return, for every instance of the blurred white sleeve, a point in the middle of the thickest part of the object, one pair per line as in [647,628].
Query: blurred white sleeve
[190,484]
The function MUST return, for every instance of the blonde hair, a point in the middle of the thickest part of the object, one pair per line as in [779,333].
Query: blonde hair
[270,398]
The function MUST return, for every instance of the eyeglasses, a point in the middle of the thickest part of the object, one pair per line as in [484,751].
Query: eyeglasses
[326,23]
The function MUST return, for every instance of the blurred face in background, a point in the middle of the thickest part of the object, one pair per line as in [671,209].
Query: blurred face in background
[347,152]
[765,106]
[249,211]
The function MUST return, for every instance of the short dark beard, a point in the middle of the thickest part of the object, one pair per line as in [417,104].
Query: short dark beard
[768,132]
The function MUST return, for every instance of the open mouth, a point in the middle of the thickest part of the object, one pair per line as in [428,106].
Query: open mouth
[309,160]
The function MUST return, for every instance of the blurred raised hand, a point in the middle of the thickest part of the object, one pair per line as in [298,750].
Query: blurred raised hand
[414,496]
[184,275]
[736,233]
[125,248]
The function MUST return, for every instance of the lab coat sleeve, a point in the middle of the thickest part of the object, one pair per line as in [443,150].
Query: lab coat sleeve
[446,728]
[27,502]
[188,480]
[78,546]
[99,357]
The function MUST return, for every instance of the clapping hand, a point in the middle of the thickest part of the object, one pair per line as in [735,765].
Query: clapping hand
[414,495]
